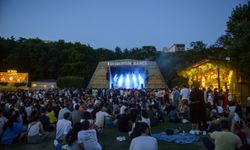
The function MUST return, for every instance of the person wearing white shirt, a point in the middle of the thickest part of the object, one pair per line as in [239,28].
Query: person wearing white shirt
[122,109]
[185,93]
[100,117]
[143,142]
[63,126]
[64,110]
[87,138]
[145,118]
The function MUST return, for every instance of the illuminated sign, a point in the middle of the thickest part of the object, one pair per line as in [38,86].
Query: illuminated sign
[128,63]
[11,71]
[11,76]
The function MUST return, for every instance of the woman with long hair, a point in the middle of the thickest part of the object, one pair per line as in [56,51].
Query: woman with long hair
[13,129]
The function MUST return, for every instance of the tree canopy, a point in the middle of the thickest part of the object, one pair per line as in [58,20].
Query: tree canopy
[237,37]
[45,60]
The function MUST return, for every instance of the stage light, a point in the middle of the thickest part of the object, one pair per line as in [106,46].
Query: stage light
[135,83]
[120,81]
[127,84]
[128,78]
[141,80]
[115,78]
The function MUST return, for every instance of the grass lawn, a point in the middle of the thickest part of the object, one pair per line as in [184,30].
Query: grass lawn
[108,139]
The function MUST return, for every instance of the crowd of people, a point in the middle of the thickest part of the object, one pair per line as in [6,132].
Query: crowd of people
[79,116]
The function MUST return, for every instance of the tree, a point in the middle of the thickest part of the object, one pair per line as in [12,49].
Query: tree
[237,37]
[118,53]
[198,45]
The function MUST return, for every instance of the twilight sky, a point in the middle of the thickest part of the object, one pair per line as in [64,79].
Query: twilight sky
[111,23]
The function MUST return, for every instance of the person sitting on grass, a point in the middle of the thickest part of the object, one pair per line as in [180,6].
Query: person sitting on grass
[87,138]
[45,121]
[183,112]
[141,139]
[63,126]
[223,140]
[100,118]
[71,137]
[145,118]
[13,130]
[246,131]
[50,113]
[124,122]
[36,132]
[3,120]
[87,116]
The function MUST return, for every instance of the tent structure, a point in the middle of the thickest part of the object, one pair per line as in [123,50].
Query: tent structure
[127,73]
[217,74]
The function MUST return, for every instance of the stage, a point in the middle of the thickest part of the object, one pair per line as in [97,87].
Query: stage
[128,74]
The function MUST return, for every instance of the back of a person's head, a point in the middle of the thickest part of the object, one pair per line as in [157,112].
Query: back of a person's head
[77,107]
[144,113]
[87,115]
[225,125]
[66,116]
[98,108]
[66,103]
[126,110]
[43,110]
[85,125]
[49,109]
[142,127]
[34,116]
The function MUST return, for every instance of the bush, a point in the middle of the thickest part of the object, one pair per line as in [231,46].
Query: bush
[71,81]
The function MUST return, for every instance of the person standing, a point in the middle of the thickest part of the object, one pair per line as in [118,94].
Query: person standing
[176,96]
[185,93]
[197,110]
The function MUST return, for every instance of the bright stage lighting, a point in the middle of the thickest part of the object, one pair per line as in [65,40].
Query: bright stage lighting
[135,83]
[127,78]
[141,80]
[115,78]
[127,84]
[120,81]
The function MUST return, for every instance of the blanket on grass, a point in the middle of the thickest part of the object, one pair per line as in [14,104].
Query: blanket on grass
[181,138]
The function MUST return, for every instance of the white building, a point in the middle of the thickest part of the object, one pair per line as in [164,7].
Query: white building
[174,48]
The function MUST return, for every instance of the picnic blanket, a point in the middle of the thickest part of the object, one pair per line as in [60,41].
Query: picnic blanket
[181,138]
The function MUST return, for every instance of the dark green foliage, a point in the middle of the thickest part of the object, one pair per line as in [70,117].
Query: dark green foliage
[198,45]
[237,38]
[51,60]
[71,81]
